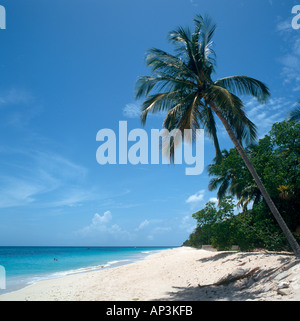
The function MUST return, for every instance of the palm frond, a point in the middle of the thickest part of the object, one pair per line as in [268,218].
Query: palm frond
[182,40]
[182,116]
[232,109]
[208,122]
[222,191]
[295,114]
[146,84]
[243,85]
[159,102]
[162,62]
[214,183]
[206,29]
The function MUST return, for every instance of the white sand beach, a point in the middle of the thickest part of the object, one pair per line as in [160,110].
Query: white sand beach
[177,275]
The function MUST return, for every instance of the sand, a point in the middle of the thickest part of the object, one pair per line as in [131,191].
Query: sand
[177,275]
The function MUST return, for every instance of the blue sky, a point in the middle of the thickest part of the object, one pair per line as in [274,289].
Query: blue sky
[68,69]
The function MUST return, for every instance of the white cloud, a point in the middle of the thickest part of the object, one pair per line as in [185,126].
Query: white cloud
[99,223]
[290,59]
[97,219]
[161,229]
[17,192]
[132,111]
[213,199]
[194,3]
[73,197]
[265,115]
[197,197]
[143,225]
[36,174]
[284,25]
[188,224]
[158,231]
[55,163]
[18,107]
[103,227]
[14,97]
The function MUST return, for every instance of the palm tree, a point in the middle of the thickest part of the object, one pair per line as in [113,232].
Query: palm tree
[295,113]
[225,179]
[183,87]
[230,179]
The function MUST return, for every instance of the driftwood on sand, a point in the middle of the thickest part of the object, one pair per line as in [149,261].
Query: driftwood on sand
[233,277]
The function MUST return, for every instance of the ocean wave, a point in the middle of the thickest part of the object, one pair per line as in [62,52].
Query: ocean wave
[109,263]
[76,271]
[22,280]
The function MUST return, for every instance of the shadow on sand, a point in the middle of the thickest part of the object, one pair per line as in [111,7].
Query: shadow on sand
[249,289]
[234,256]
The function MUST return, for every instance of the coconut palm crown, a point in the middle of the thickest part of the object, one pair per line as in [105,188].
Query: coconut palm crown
[185,90]
[182,86]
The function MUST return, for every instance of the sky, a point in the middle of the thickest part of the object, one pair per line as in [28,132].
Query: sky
[68,69]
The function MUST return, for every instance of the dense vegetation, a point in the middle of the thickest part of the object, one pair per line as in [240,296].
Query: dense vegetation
[182,85]
[276,159]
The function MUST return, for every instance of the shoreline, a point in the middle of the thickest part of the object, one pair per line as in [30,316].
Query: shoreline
[29,280]
[179,274]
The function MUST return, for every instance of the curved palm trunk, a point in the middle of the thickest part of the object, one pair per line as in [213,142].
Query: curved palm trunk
[292,241]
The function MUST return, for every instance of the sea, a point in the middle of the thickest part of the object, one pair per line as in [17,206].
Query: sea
[23,266]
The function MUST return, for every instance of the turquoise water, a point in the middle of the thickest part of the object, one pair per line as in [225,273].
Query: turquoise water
[26,265]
